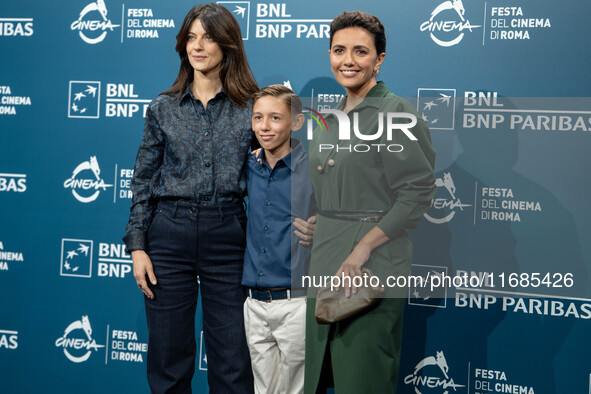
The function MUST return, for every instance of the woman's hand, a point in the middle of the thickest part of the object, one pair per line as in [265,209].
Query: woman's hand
[142,267]
[305,230]
[351,267]
[256,153]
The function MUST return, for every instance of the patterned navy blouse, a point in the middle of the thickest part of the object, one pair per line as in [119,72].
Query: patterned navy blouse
[191,153]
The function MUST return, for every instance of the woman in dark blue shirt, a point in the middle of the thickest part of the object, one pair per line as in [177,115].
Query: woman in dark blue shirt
[187,218]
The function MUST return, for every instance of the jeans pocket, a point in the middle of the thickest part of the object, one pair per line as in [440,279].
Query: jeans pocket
[240,221]
[153,223]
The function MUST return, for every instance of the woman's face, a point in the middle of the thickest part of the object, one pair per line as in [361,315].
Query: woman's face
[354,60]
[204,54]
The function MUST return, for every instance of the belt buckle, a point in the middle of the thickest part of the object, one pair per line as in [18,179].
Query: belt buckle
[371,219]
[270,295]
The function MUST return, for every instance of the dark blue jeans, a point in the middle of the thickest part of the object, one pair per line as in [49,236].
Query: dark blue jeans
[186,240]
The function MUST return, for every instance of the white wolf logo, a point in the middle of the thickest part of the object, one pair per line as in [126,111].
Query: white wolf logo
[91,164]
[448,183]
[99,6]
[440,361]
[448,5]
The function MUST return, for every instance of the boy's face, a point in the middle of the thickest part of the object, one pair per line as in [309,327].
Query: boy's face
[271,122]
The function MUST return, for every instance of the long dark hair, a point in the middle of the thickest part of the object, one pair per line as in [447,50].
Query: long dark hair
[235,73]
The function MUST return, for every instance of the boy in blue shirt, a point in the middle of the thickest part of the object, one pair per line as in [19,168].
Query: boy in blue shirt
[280,194]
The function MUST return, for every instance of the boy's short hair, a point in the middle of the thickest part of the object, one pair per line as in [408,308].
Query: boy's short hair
[289,98]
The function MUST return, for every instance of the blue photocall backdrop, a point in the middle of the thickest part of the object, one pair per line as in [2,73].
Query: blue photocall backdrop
[502,85]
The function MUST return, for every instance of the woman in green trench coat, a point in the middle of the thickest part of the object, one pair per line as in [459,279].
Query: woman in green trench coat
[370,190]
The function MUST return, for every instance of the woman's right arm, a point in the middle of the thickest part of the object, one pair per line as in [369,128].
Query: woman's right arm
[148,161]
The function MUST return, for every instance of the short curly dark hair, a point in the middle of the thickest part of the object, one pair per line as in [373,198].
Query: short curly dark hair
[360,19]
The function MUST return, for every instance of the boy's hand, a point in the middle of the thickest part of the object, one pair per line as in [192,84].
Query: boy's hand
[305,230]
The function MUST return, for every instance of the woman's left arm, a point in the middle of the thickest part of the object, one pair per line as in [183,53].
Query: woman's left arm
[410,178]
[411,181]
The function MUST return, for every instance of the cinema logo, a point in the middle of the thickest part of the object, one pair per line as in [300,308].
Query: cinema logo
[394,121]
[443,209]
[126,346]
[431,376]
[77,342]
[92,23]
[7,256]
[9,102]
[447,24]
[85,182]
[141,23]
[510,23]
[487,380]
[500,204]
[327,100]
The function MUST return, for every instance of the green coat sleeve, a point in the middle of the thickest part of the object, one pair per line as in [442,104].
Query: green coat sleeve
[409,175]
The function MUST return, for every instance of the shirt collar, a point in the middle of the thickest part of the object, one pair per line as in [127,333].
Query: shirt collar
[292,159]
[296,154]
[379,90]
[188,92]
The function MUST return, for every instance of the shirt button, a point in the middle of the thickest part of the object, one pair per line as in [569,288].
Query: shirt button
[206,198]
[207,164]
[264,250]
[266,228]
[206,133]
[270,179]
[331,163]
[268,203]
[320,169]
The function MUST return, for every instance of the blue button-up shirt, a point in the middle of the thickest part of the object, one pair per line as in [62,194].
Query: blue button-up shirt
[188,152]
[276,197]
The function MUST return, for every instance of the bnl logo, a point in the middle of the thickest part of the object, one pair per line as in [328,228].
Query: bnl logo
[437,107]
[76,258]
[83,99]
[241,11]
[421,292]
